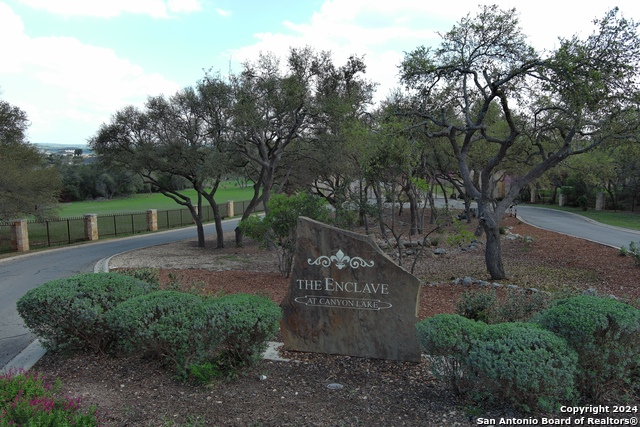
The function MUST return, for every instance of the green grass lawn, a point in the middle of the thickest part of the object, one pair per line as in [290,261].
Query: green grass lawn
[615,218]
[142,202]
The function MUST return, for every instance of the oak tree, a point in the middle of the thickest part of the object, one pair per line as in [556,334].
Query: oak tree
[552,104]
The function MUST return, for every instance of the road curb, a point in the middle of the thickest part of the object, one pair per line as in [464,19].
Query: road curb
[26,358]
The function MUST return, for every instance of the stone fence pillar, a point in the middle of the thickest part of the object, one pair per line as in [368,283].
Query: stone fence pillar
[562,199]
[600,201]
[91,227]
[534,195]
[152,220]
[19,235]
[230,207]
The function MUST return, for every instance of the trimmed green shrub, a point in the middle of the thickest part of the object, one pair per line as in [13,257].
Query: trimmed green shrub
[165,324]
[149,275]
[69,314]
[447,339]
[606,336]
[200,338]
[242,323]
[479,305]
[522,364]
[522,305]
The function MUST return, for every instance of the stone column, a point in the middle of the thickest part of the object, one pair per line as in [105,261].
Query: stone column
[152,220]
[562,199]
[91,227]
[19,235]
[230,211]
[534,195]
[600,201]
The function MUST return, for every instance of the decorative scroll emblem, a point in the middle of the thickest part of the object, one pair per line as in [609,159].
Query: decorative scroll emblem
[341,260]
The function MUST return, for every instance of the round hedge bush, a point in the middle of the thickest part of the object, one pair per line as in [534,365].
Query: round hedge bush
[605,333]
[166,324]
[68,314]
[523,364]
[244,322]
[447,340]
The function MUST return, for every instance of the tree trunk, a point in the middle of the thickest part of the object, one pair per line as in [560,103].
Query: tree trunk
[238,237]
[413,209]
[380,203]
[218,220]
[493,249]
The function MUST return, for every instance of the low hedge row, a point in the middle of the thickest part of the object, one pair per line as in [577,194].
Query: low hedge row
[576,349]
[70,314]
[108,312]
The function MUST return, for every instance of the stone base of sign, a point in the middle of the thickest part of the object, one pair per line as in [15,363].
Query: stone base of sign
[348,297]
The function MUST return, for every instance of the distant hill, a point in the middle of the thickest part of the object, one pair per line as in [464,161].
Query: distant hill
[63,149]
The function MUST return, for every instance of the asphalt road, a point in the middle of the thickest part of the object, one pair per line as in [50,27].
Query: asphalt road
[577,226]
[21,273]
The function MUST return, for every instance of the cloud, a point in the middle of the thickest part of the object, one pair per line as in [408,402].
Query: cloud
[62,80]
[378,30]
[383,30]
[113,8]
[224,13]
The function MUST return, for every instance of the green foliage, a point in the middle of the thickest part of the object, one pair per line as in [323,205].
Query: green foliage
[278,227]
[447,339]
[518,306]
[201,339]
[460,236]
[582,202]
[148,275]
[479,306]
[165,324]
[524,365]
[70,313]
[519,363]
[29,186]
[27,399]
[633,250]
[243,323]
[522,306]
[606,336]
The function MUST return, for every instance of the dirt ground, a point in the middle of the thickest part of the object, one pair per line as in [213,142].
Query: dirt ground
[137,392]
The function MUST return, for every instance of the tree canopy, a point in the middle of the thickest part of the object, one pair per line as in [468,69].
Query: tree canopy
[28,186]
[550,105]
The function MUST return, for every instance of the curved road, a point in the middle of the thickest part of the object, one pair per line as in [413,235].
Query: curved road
[577,226]
[21,273]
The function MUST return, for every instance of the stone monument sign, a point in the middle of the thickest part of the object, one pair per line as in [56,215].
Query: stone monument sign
[348,297]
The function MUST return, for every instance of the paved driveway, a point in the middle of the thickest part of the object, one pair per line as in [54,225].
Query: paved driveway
[577,226]
[22,273]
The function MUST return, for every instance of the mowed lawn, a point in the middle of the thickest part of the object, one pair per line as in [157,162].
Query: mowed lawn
[142,202]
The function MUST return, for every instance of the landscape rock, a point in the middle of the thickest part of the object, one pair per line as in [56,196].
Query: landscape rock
[346,296]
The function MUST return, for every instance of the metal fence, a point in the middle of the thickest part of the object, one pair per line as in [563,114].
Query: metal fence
[64,231]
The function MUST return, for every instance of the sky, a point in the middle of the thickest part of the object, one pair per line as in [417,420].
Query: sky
[71,64]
